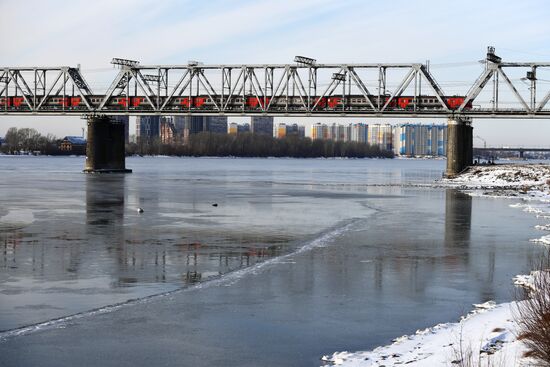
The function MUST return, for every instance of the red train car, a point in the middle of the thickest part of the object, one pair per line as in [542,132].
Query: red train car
[193,101]
[456,102]
[253,102]
[132,101]
[67,101]
[199,101]
[333,102]
[12,101]
[393,103]
[321,102]
[404,102]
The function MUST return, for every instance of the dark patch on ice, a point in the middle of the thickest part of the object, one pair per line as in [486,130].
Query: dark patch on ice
[39,307]
[11,292]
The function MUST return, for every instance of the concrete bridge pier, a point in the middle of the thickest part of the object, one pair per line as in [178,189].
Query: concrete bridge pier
[459,145]
[105,151]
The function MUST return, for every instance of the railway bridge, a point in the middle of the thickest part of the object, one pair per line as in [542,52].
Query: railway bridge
[302,88]
[520,150]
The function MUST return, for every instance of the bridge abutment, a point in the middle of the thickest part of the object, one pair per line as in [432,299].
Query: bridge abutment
[105,150]
[459,145]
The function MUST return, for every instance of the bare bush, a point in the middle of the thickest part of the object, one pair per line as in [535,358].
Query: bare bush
[533,316]
[464,355]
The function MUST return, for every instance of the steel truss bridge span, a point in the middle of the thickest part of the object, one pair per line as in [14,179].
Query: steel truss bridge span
[304,88]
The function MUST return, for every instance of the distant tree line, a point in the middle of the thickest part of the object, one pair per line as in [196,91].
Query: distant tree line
[25,140]
[250,145]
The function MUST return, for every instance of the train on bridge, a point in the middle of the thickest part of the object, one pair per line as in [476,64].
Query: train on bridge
[240,103]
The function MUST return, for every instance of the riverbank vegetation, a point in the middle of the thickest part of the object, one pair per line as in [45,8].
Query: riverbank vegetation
[29,141]
[533,315]
[249,145]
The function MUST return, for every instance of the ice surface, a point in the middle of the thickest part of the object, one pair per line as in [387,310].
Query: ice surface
[488,331]
[227,280]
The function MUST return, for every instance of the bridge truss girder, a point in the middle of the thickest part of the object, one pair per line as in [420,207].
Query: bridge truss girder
[288,89]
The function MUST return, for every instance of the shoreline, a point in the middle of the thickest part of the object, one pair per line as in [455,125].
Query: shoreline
[488,332]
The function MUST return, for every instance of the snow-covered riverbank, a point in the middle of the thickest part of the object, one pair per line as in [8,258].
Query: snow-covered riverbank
[489,329]
[514,180]
[487,336]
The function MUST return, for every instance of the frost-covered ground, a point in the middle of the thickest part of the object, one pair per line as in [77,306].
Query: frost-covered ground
[488,333]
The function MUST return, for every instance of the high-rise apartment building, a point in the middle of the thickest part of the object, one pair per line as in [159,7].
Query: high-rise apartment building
[197,124]
[319,131]
[262,125]
[147,128]
[341,132]
[216,124]
[419,140]
[167,133]
[381,135]
[282,130]
[296,130]
[177,129]
[244,128]
[336,132]
[235,128]
[359,133]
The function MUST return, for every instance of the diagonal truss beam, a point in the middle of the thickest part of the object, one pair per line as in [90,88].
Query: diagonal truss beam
[13,75]
[359,83]
[543,102]
[476,88]
[514,90]
[401,88]
[283,88]
[434,86]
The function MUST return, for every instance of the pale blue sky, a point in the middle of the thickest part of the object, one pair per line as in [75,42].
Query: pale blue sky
[59,32]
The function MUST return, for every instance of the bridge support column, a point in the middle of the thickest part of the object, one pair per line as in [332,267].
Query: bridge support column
[105,151]
[459,145]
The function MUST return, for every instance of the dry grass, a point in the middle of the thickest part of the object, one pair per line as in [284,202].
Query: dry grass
[467,357]
[464,355]
[533,317]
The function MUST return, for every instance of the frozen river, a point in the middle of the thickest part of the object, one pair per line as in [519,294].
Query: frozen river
[298,258]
